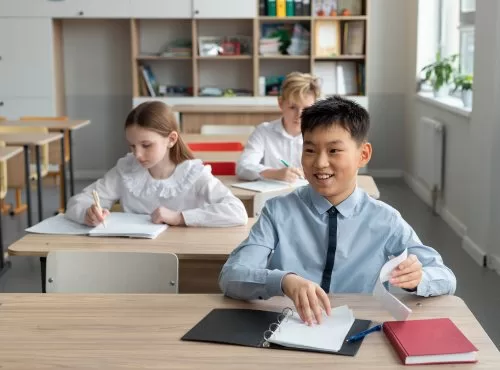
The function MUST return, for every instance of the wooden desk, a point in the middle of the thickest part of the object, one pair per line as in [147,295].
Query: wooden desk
[6,153]
[217,156]
[61,126]
[201,251]
[27,140]
[118,331]
[201,138]
[192,117]
[247,196]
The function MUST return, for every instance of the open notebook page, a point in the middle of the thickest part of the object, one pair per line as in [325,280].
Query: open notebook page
[327,336]
[128,224]
[117,224]
[59,225]
[263,186]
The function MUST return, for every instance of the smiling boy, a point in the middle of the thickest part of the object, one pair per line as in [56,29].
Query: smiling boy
[330,236]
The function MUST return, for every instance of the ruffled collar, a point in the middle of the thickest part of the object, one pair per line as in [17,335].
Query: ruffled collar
[139,181]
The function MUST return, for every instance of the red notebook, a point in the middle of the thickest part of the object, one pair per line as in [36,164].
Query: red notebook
[432,341]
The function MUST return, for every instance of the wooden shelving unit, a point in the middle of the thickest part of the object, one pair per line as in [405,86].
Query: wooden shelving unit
[230,71]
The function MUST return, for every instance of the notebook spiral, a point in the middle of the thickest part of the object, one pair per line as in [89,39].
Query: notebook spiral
[275,326]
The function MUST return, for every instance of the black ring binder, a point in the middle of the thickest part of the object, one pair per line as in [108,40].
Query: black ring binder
[282,317]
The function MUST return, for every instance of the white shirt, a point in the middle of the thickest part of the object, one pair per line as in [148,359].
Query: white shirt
[191,189]
[268,144]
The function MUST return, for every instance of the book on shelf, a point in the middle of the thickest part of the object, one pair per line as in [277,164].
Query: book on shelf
[327,43]
[347,81]
[298,8]
[281,8]
[354,38]
[149,79]
[271,8]
[262,7]
[340,77]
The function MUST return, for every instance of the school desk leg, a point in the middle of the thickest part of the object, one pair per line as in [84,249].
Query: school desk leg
[3,265]
[71,175]
[43,266]
[63,172]
[27,175]
[39,183]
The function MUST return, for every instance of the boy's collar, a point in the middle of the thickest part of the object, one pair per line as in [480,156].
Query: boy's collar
[346,208]
[279,127]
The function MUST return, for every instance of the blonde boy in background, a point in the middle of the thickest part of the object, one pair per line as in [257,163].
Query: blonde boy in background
[274,142]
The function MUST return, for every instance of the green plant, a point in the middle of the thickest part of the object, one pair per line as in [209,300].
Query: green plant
[463,82]
[441,71]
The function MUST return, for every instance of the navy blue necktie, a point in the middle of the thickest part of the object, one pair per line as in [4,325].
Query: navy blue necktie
[332,247]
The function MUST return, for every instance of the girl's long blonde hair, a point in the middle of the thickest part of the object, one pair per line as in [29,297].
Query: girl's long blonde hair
[158,117]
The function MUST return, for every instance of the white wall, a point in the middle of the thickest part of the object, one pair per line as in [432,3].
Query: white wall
[387,84]
[98,84]
[471,201]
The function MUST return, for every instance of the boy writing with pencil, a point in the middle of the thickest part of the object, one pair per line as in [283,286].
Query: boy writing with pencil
[330,236]
[273,150]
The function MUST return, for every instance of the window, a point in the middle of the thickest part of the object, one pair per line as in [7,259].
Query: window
[456,31]
[466,28]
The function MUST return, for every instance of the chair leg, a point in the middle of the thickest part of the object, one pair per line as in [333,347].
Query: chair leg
[4,207]
[20,207]
[62,189]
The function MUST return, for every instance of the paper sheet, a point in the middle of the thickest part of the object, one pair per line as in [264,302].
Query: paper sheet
[395,307]
[328,336]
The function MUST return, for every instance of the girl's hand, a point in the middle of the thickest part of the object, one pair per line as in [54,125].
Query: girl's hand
[162,215]
[94,216]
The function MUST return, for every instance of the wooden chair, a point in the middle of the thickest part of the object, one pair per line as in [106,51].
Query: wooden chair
[112,272]
[15,167]
[55,165]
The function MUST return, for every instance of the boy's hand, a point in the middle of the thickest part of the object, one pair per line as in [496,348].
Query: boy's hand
[94,216]
[408,274]
[162,215]
[308,298]
[288,174]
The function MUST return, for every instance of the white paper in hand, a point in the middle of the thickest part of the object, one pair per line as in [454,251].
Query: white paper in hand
[395,307]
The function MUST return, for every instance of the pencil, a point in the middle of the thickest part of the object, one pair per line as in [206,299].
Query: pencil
[97,203]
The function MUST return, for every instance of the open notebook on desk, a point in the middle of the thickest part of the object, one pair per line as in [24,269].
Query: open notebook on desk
[266,329]
[117,224]
[262,186]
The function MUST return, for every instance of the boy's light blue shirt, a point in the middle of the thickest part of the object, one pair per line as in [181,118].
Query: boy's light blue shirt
[291,236]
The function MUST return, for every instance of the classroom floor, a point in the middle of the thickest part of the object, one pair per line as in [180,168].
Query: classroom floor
[477,286]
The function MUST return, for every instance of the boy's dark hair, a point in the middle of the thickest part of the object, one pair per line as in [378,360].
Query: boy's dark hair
[336,110]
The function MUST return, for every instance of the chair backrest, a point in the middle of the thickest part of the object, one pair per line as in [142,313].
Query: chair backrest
[111,272]
[222,168]
[216,147]
[227,129]
[44,148]
[54,147]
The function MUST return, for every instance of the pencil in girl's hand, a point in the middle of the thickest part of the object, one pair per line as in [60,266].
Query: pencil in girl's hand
[97,203]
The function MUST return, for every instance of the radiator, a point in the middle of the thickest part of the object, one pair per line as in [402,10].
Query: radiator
[430,155]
